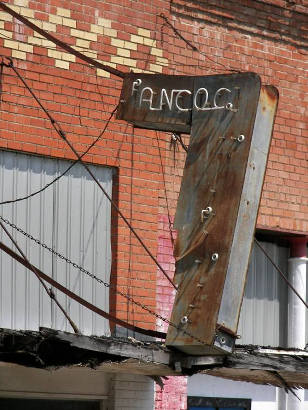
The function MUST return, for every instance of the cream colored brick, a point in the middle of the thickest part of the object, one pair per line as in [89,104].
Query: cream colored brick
[82,43]
[77,33]
[156,68]
[49,26]
[97,29]
[117,42]
[23,3]
[111,65]
[5,16]
[37,35]
[102,73]
[6,33]
[55,54]
[55,19]
[62,64]
[117,60]
[38,23]
[156,52]
[149,42]
[69,22]
[136,39]
[122,52]
[27,13]
[11,44]
[110,32]
[84,35]
[63,12]
[144,33]
[68,57]
[19,54]
[28,48]
[130,46]
[162,61]
[138,70]
[35,40]
[47,43]
[129,62]
[1,24]
[104,22]
[90,53]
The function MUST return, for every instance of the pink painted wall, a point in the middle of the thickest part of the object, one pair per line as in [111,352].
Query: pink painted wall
[174,394]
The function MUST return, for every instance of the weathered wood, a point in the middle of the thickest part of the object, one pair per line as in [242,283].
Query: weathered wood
[49,349]
[111,346]
[271,362]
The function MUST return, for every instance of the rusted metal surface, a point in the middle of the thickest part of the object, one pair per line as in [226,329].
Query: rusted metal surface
[242,241]
[208,208]
[144,103]
[219,196]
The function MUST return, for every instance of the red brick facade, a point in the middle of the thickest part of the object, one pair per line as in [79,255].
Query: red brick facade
[267,37]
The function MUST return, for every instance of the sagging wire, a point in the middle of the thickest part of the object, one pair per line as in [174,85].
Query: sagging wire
[60,43]
[63,136]
[165,189]
[48,291]
[61,133]
[111,286]
[192,46]
[12,201]
[1,79]
[284,277]
[145,60]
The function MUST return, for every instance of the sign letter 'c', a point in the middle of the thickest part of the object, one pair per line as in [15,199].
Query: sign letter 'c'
[180,92]
[218,92]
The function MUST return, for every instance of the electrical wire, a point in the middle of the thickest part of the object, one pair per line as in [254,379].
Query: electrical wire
[60,43]
[165,189]
[146,60]
[284,277]
[113,288]
[192,46]
[48,291]
[62,135]
[12,201]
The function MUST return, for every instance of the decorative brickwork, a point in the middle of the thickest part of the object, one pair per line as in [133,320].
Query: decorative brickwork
[267,37]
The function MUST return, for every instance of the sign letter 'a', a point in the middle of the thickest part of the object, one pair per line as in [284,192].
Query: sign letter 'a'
[230,119]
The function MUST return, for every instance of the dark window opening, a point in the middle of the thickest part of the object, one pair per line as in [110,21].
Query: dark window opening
[217,403]
[32,404]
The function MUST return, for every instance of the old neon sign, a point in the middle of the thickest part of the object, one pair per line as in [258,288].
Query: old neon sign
[173,98]
[230,120]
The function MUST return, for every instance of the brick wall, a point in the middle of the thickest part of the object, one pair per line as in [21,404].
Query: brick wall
[130,392]
[268,37]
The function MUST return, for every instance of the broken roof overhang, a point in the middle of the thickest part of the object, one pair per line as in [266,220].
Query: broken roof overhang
[49,348]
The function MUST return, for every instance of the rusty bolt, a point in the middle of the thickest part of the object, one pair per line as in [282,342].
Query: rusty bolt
[184,320]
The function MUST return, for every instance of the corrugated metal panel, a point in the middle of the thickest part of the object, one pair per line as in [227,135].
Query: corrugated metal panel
[263,319]
[72,216]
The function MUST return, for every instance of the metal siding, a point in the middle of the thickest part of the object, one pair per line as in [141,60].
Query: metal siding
[263,319]
[72,216]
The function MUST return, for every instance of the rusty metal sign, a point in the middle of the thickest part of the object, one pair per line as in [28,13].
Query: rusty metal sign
[166,102]
[159,102]
[230,119]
